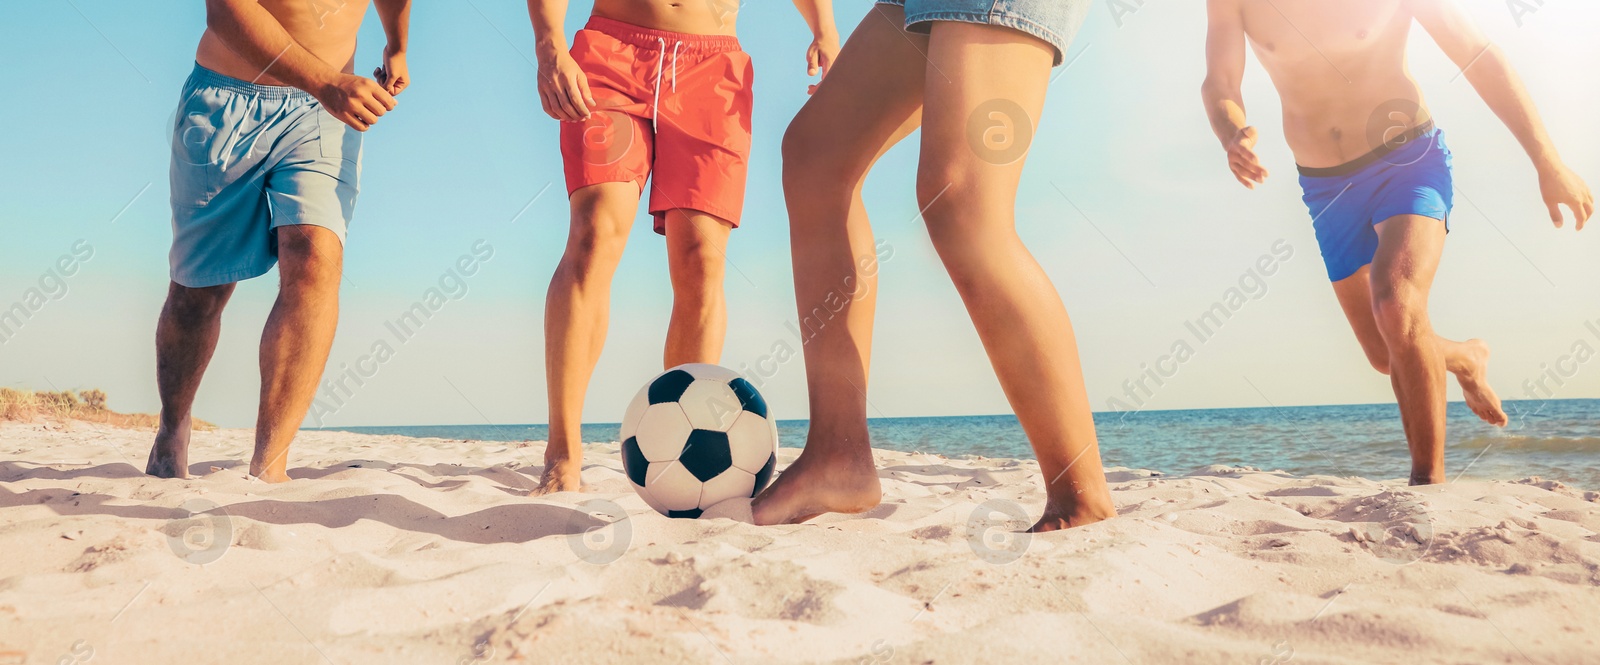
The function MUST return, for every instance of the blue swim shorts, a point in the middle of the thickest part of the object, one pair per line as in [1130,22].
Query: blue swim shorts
[246,160]
[1054,21]
[1410,175]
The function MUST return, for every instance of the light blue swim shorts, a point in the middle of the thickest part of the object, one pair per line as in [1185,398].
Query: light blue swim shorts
[247,159]
[1054,21]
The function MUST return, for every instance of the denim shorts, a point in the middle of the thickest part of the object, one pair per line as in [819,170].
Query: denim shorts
[1054,21]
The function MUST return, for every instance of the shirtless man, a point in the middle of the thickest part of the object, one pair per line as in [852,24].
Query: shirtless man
[265,170]
[647,85]
[1376,173]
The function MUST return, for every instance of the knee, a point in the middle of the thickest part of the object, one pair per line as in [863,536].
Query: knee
[309,257]
[948,194]
[816,163]
[697,275]
[595,245]
[1379,362]
[193,306]
[1400,311]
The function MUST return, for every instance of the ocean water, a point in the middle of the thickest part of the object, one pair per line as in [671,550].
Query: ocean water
[1554,439]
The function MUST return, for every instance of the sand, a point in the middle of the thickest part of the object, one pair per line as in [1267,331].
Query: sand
[388,549]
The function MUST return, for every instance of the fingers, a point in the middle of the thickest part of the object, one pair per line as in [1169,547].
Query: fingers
[550,108]
[588,98]
[1588,211]
[813,60]
[384,98]
[564,102]
[1240,176]
[1244,162]
[1555,213]
[354,121]
[577,96]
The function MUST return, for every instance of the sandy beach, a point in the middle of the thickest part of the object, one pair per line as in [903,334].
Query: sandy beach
[387,549]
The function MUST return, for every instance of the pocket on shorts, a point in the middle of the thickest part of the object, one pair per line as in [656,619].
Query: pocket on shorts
[200,134]
[337,140]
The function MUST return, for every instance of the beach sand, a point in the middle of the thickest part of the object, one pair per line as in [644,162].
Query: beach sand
[388,549]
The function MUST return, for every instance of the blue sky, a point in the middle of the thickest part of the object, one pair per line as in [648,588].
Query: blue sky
[1127,201]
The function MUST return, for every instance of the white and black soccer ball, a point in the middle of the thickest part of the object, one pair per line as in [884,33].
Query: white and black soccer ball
[695,436]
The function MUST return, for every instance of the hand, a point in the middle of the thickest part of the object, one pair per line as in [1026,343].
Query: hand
[1560,186]
[1242,158]
[393,75]
[355,101]
[819,58]
[563,88]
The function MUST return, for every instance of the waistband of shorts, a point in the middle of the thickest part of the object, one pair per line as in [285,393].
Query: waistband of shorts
[203,77]
[650,38]
[1392,145]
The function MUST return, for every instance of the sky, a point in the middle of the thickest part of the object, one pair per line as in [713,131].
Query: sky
[1126,201]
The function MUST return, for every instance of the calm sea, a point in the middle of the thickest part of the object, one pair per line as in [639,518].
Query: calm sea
[1556,439]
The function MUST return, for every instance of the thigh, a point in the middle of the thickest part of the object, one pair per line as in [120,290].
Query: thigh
[314,175]
[990,85]
[870,99]
[1409,249]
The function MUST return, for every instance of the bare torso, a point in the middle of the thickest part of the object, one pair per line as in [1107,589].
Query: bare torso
[1340,68]
[326,28]
[695,17]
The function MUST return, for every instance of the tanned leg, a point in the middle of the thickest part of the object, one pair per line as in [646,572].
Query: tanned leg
[576,313]
[697,245]
[970,204]
[1402,273]
[186,336]
[871,100]
[295,344]
[1468,360]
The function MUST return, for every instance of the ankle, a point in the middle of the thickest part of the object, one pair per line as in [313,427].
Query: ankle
[559,456]
[1428,476]
[171,424]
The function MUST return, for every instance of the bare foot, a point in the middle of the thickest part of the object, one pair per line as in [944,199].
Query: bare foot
[271,476]
[169,457]
[1475,384]
[274,470]
[814,485]
[1056,519]
[561,475]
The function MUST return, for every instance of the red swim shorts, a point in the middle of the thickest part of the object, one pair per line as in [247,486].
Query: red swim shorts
[668,102]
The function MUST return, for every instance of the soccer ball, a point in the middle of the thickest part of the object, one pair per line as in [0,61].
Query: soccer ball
[695,436]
